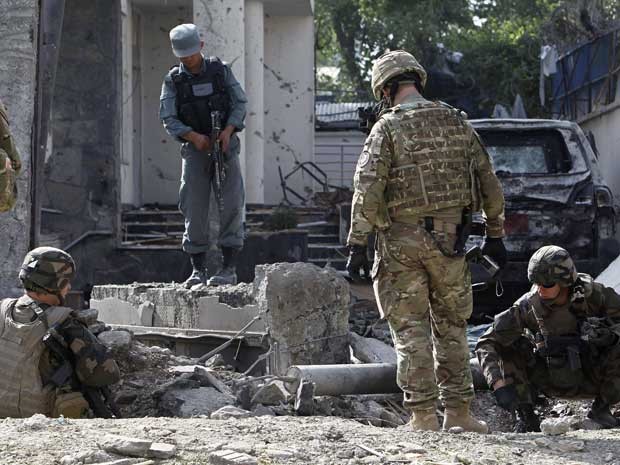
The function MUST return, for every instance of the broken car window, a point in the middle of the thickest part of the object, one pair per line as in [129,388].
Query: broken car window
[527,152]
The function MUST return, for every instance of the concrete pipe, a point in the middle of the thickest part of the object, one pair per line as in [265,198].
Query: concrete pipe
[338,380]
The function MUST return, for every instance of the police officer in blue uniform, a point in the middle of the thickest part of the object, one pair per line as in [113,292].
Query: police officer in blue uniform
[191,91]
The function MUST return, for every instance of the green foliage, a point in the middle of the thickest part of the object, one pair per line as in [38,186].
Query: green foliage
[282,218]
[500,39]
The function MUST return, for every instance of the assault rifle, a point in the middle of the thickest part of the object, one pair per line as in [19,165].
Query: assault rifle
[368,116]
[99,399]
[219,171]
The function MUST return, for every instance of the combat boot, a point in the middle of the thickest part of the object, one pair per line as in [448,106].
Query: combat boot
[228,273]
[424,420]
[527,420]
[461,417]
[600,413]
[199,271]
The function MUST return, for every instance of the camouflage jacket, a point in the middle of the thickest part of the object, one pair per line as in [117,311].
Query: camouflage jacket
[369,206]
[526,316]
[8,175]
[92,361]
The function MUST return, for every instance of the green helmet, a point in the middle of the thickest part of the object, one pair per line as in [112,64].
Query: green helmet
[552,265]
[47,270]
[392,64]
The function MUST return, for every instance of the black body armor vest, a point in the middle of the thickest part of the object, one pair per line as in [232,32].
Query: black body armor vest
[198,96]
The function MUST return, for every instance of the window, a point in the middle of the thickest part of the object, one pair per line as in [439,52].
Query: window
[526,152]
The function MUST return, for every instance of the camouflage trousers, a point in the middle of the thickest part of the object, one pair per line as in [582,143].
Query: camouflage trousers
[599,375]
[426,299]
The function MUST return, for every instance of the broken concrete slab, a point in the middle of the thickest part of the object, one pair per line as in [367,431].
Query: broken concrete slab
[304,398]
[123,445]
[371,350]
[230,411]
[186,403]
[160,450]
[116,340]
[272,393]
[230,457]
[204,375]
[168,305]
[306,310]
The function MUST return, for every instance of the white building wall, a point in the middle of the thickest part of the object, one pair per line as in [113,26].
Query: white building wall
[605,125]
[289,101]
[221,24]
[255,90]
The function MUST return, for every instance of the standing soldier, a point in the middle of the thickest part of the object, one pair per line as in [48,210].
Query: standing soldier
[560,339]
[10,164]
[421,173]
[191,92]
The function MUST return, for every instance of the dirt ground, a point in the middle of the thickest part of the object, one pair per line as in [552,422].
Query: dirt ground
[293,440]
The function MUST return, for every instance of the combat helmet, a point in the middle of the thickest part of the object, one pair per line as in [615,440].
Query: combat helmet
[390,65]
[552,265]
[47,270]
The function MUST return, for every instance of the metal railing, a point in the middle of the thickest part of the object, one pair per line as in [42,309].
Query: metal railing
[338,161]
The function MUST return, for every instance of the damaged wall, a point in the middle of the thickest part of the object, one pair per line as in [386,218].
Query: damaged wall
[289,100]
[81,170]
[18,29]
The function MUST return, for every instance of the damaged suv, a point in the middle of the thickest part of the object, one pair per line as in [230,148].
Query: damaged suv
[555,194]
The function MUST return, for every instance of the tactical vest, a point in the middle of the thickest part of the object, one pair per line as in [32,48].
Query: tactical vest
[558,340]
[198,96]
[8,186]
[22,393]
[432,168]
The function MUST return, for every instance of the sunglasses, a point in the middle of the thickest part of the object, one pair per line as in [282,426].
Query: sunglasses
[547,286]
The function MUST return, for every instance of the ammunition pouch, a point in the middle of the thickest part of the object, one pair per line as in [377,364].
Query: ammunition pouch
[562,355]
[70,405]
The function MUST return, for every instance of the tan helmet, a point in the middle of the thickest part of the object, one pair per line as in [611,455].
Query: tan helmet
[392,64]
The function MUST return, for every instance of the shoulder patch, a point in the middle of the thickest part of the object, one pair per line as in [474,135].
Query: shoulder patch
[363,159]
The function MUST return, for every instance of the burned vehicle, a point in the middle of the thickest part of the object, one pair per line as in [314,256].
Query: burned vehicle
[555,194]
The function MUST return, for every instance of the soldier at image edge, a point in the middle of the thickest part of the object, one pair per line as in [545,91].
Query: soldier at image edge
[421,174]
[10,164]
[560,339]
[191,92]
[30,370]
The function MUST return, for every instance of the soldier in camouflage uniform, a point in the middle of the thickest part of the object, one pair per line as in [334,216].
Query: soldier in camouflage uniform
[10,164]
[28,367]
[560,339]
[422,170]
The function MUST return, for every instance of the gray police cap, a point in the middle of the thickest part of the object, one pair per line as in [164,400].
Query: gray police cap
[185,40]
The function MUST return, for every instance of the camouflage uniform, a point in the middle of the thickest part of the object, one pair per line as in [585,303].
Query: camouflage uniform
[47,270]
[424,160]
[530,344]
[8,188]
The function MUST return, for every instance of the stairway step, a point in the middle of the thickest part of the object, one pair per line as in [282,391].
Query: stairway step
[336,263]
[322,238]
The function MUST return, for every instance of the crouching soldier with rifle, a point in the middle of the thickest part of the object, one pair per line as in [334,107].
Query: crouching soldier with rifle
[50,362]
[561,339]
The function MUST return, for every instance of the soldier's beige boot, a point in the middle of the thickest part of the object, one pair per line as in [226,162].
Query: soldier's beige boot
[424,420]
[460,416]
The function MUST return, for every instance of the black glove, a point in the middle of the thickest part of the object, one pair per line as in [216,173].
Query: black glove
[506,397]
[494,248]
[358,260]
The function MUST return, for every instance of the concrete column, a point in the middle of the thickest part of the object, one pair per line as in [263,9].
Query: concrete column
[221,24]
[255,88]
[18,28]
